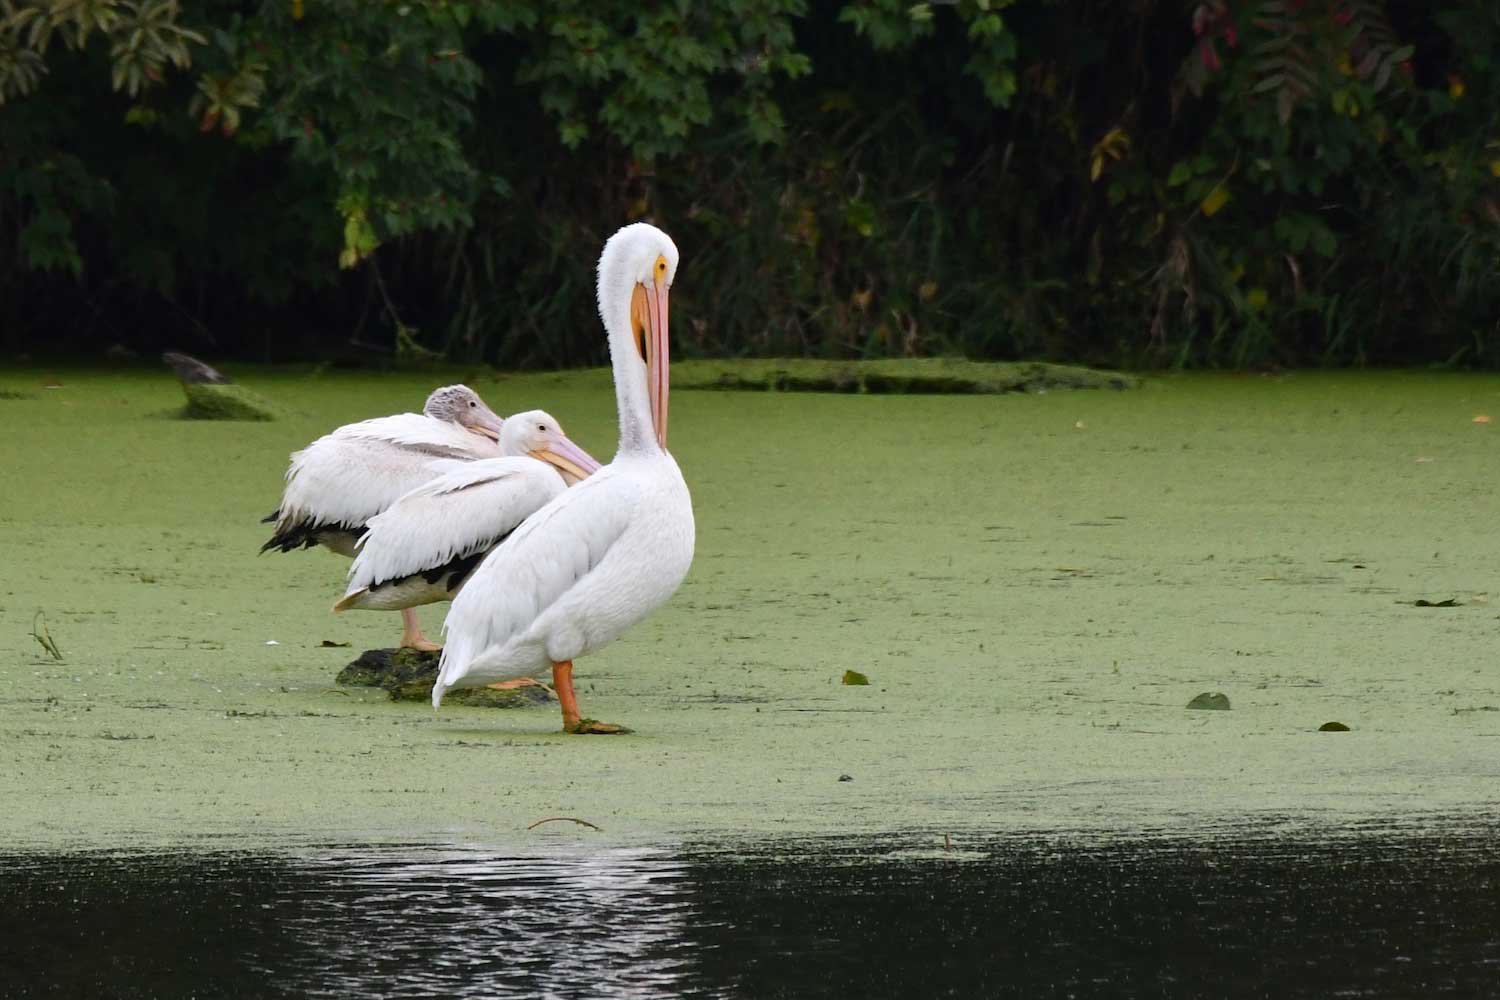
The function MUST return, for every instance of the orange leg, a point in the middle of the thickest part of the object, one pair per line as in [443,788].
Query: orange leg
[562,683]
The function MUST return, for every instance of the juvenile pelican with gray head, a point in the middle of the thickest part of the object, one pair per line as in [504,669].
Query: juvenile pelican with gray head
[344,478]
[606,553]
[424,546]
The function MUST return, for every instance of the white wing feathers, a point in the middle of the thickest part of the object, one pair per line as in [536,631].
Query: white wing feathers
[467,508]
[348,476]
[531,573]
[418,431]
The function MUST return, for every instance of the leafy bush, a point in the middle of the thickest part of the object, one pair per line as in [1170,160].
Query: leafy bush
[1228,182]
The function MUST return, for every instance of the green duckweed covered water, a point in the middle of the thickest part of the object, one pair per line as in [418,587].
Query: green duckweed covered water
[1035,586]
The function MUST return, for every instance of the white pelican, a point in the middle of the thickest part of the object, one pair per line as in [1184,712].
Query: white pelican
[346,477]
[609,551]
[423,547]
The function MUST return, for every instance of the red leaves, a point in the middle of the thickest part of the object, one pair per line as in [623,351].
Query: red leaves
[1212,21]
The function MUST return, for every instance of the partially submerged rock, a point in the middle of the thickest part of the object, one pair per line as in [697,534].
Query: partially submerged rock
[1212,702]
[892,375]
[408,674]
[212,396]
[390,668]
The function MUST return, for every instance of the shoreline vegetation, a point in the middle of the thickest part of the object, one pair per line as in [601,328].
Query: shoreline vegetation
[1286,184]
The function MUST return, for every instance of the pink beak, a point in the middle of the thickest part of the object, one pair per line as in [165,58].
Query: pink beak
[656,368]
[573,462]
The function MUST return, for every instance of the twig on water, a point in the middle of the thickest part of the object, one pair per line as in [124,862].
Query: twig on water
[43,637]
[570,819]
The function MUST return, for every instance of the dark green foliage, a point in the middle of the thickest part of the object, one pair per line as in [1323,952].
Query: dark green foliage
[1227,182]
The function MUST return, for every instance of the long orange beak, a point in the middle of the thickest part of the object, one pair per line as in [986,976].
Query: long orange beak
[656,359]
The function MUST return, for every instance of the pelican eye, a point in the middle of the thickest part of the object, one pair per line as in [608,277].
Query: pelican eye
[661,268]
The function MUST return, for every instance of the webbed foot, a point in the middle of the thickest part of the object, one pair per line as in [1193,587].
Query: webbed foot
[518,682]
[593,727]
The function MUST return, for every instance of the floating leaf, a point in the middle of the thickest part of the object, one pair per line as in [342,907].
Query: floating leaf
[855,677]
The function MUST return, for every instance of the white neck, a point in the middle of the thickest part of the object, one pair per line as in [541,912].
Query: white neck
[637,433]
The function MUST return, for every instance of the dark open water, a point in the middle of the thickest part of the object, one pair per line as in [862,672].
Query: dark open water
[1374,915]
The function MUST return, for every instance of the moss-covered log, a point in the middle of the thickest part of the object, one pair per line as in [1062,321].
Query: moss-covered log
[898,375]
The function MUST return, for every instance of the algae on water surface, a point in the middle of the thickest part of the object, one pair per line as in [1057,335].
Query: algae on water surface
[1035,585]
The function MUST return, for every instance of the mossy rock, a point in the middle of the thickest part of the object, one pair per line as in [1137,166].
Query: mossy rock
[391,668]
[480,697]
[225,401]
[408,674]
[894,375]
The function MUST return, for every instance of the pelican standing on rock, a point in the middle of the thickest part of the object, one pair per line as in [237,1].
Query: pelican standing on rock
[344,478]
[423,547]
[608,552]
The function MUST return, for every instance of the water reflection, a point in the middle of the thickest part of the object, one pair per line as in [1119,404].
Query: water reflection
[500,926]
[1374,916]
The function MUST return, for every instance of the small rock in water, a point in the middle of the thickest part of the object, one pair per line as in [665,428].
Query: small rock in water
[855,677]
[1214,702]
[1333,727]
[480,697]
[390,668]
[846,777]
[408,674]
[212,401]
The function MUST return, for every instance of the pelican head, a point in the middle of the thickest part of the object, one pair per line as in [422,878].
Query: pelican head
[538,434]
[635,276]
[462,405]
